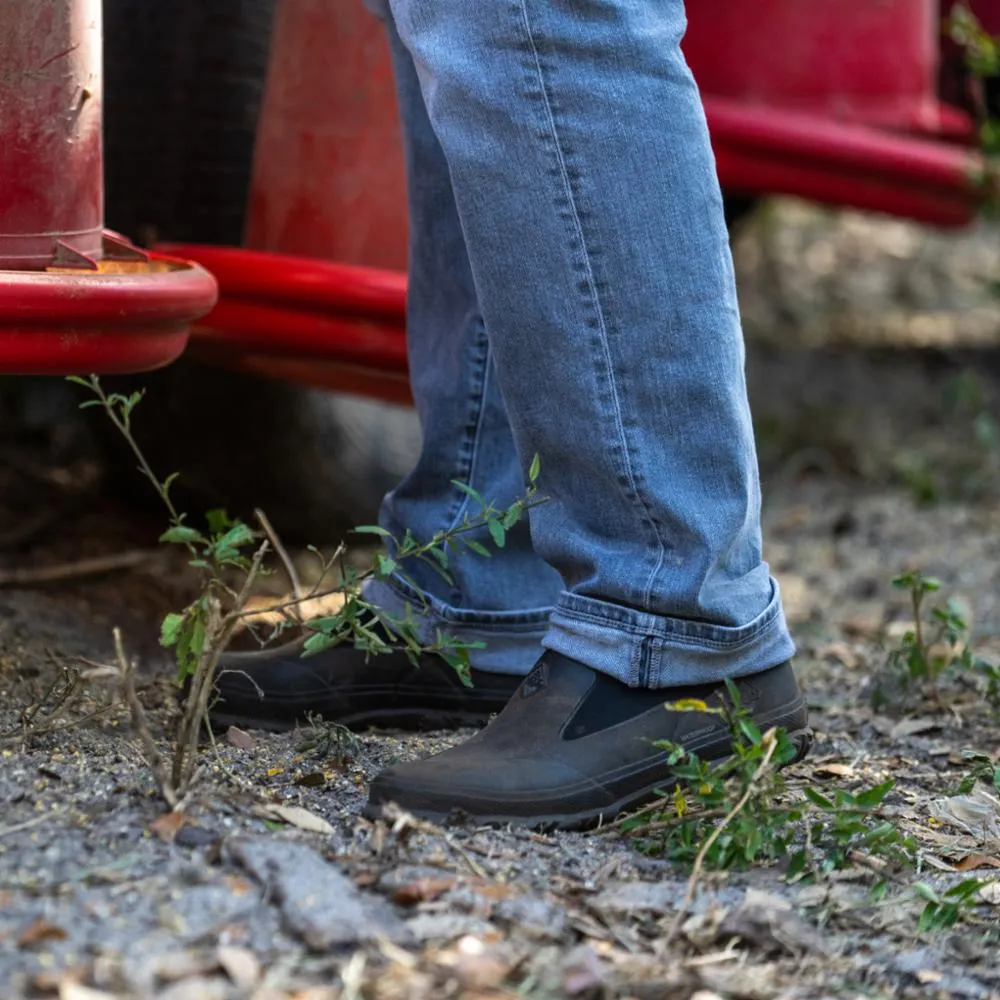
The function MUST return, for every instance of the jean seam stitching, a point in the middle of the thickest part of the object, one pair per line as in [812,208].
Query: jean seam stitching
[746,634]
[470,439]
[405,593]
[572,198]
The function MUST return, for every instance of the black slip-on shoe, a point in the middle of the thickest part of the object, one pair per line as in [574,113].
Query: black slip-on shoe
[276,689]
[575,747]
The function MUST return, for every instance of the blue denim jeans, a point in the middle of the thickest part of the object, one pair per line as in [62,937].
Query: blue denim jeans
[572,296]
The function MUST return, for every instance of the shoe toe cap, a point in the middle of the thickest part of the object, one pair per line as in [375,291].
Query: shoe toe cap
[448,783]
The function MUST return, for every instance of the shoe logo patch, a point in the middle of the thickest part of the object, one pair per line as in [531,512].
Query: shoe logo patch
[536,681]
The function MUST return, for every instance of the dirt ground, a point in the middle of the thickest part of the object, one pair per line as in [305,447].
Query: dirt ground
[270,884]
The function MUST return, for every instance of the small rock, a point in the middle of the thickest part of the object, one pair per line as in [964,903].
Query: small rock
[771,924]
[239,739]
[912,962]
[638,897]
[196,989]
[321,905]
[533,917]
[447,927]
[195,836]
[240,965]
[582,972]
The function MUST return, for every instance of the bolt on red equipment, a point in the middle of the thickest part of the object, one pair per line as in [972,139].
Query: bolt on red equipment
[73,298]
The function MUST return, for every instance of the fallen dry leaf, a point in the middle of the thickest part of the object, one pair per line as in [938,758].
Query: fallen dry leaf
[181,964]
[40,932]
[240,965]
[238,886]
[834,770]
[927,976]
[973,861]
[70,990]
[583,971]
[53,980]
[911,727]
[422,890]
[475,965]
[939,863]
[294,816]
[261,616]
[239,739]
[977,813]
[168,825]
[840,653]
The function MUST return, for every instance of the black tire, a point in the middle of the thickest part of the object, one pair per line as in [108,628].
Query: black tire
[183,88]
[738,209]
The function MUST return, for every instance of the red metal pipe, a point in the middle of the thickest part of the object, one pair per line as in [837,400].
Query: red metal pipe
[337,314]
[51,182]
[258,328]
[131,314]
[289,280]
[73,299]
[781,152]
[295,307]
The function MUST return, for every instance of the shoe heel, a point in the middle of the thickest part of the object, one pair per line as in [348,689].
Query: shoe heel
[803,740]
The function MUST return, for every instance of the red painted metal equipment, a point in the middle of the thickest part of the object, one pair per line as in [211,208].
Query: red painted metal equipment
[836,101]
[73,298]
[314,304]
[828,100]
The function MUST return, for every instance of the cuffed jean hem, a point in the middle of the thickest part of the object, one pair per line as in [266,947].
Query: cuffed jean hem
[513,639]
[655,651]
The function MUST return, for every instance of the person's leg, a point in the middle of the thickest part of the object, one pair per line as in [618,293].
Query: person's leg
[504,601]
[586,189]
[587,192]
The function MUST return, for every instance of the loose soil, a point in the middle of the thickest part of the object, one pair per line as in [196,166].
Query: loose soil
[269,884]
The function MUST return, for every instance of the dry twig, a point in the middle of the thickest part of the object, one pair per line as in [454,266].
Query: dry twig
[770,743]
[286,561]
[34,575]
[402,820]
[219,629]
[158,766]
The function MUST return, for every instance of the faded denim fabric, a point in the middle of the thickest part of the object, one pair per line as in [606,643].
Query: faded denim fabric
[572,295]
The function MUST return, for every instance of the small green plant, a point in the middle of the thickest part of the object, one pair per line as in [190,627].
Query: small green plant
[939,642]
[930,646]
[982,767]
[982,58]
[743,810]
[230,557]
[329,741]
[774,821]
[372,628]
[945,909]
